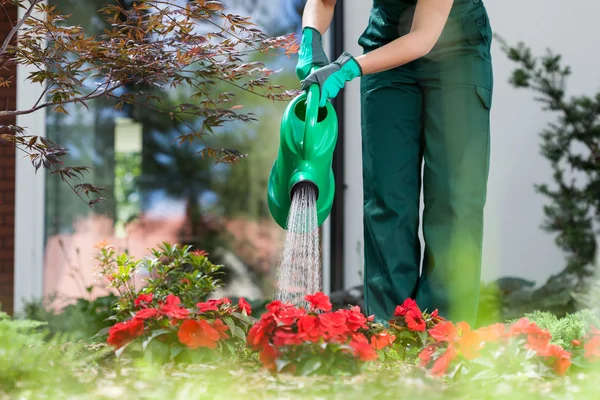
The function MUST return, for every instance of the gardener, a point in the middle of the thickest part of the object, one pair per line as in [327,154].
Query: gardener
[426,90]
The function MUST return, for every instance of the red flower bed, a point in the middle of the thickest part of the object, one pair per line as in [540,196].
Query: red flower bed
[317,340]
[211,325]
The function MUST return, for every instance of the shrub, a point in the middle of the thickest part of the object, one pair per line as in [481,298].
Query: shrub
[27,362]
[174,271]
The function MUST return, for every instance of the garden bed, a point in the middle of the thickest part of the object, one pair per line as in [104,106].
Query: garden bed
[168,340]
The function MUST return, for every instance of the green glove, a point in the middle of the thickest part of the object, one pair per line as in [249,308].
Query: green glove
[332,78]
[311,52]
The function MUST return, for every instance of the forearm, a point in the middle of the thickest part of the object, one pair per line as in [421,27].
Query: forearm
[318,14]
[399,52]
[428,23]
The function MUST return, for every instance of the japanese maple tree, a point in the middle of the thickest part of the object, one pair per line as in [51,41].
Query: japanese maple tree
[149,45]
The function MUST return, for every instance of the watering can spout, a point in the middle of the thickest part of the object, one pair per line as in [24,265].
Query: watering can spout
[308,136]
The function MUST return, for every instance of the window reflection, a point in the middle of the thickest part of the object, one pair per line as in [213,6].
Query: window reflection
[158,191]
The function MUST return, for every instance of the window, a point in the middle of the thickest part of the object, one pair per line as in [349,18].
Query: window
[158,191]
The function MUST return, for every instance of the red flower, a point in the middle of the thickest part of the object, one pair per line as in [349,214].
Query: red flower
[146,313]
[333,324]
[382,340]
[538,340]
[440,366]
[267,357]
[436,318]
[576,342]
[172,309]
[444,332]
[143,298]
[363,350]
[309,328]
[592,349]
[415,321]
[289,315]
[174,312]
[221,328]
[243,305]
[408,305]
[199,253]
[426,354]
[355,320]
[196,334]
[210,305]
[275,306]
[521,327]
[258,335]
[319,301]
[124,332]
[286,338]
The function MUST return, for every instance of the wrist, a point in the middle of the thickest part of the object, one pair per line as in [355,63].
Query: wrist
[350,65]
[314,32]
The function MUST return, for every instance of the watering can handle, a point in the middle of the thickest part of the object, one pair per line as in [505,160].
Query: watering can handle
[311,118]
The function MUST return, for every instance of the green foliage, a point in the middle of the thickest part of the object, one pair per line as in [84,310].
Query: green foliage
[173,270]
[28,363]
[491,304]
[81,320]
[572,146]
[565,330]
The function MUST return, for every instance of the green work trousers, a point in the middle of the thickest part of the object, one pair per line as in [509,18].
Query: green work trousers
[426,124]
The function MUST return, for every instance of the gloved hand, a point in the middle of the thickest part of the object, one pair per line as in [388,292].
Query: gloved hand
[332,78]
[311,52]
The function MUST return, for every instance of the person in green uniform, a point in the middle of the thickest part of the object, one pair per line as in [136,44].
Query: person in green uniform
[426,92]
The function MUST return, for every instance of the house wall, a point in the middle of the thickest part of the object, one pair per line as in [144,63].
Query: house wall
[514,244]
[8,97]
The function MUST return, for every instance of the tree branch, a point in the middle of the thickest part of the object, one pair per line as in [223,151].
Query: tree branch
[18,26]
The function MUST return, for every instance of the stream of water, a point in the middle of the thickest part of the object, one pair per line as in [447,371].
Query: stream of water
[299,271]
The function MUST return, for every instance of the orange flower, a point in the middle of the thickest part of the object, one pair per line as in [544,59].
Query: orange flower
[382,340]
[444,332]
[196,334]
[538,340]
[469,344]
[267,357]
[563,358]
[363,350]
[491,333]
[100,245]
[426,354]
[440,366]
[221,328]
[592,349]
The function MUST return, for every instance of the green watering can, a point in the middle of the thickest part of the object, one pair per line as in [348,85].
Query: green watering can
[308,135]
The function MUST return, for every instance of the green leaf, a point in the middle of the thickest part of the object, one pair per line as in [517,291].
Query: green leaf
[102,332]
[239,333]
[119,352]
[154,334]
[281,364]
[310,366]
[230,324]
[175,350]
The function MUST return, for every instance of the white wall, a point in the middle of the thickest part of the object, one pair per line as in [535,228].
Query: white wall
[514,244]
